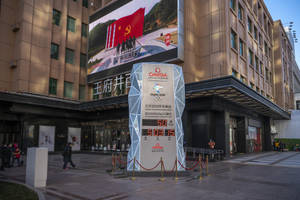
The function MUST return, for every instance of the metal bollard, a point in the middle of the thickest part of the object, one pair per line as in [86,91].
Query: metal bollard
[112,162]
[176,172]
[133,178]
[115,162]
[161,169]
[120,164]
[207,166]
[200,168]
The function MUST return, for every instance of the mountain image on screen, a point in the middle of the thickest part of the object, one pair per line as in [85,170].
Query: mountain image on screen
[118,41]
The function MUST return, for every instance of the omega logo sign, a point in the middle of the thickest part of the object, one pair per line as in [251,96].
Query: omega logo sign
[157,73]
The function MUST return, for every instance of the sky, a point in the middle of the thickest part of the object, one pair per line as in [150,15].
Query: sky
[125,10]
[287,11]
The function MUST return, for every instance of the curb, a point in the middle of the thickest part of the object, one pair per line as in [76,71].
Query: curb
[39,193]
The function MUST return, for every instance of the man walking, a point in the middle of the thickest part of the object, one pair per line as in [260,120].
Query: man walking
[68,155]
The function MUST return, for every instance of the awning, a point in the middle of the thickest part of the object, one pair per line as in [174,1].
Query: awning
[235,91]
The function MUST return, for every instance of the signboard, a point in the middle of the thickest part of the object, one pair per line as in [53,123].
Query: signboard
[134,31]
[74,137]
[46,137]
[157,91]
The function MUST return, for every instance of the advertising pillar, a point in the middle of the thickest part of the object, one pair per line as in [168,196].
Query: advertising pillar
[156,103]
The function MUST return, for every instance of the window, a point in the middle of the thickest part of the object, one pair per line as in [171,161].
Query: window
[252,85]
[266,49]
[262,93]
[250,57]
[69,56]
[233,39]
[81,92]
[84,30]
[68,88]
[243,79]
[267,74]
[240,12]
[241,47]
[261,66]
[52,86]
[54,51]
[255,33]
[260,41]
[249,25]
[85,3]
[56,17]
[298,105]
[257,89]
[82,60]
[232,4]
[234,73]
[256,64]
[71,24]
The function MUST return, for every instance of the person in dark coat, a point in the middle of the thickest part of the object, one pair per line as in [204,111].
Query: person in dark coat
[6,154]
[68,156]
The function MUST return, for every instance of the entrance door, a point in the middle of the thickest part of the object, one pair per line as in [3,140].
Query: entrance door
[258,140]
[232,140]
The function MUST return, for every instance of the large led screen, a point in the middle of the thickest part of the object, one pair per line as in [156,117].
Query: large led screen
[134,31]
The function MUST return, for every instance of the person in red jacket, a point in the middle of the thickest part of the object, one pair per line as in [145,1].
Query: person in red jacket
[17,155]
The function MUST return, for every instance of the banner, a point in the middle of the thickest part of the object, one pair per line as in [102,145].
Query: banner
[125,28]
[74,137]
[136,30]
[46,137]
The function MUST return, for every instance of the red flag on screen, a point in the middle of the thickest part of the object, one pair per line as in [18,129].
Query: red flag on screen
[124,28]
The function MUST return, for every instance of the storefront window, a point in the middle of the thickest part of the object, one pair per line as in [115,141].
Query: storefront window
[254,139]
[109,135]
[298,105]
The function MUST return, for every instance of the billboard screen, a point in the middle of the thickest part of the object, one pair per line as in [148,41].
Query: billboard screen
[127,34]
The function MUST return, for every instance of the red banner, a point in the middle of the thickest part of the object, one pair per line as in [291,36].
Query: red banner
[124,28]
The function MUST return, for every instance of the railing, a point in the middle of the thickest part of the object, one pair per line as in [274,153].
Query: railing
[200,157]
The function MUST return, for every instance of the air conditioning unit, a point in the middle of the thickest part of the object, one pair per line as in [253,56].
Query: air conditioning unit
[13,64]
[15,27]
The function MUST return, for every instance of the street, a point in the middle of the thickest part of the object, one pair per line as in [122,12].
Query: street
[254,176]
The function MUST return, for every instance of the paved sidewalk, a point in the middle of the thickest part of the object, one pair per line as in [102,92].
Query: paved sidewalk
[280,159]
[227,181]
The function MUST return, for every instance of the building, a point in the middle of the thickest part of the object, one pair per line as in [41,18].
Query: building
[220,39]
[227,58]
[296,71]
[284,60]
[43,49]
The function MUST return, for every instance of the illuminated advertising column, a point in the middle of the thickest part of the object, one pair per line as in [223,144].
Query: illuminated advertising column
[156,102]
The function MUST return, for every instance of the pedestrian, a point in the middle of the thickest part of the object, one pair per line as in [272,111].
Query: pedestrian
[9,154]
[277,146]
[5,156]
[68,156]
[16,156]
